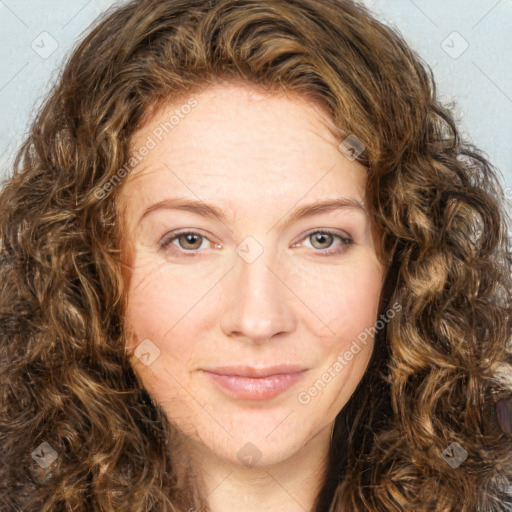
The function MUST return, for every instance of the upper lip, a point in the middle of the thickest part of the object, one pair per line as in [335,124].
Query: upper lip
[255,372]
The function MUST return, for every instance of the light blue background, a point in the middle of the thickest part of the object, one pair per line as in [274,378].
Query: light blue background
[478,82]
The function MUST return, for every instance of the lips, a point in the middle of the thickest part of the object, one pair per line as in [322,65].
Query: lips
[255,372]
[251,383]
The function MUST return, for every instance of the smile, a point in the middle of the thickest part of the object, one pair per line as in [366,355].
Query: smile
[255,388]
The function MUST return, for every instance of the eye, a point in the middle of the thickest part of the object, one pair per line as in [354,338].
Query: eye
[324,239]
[188,241]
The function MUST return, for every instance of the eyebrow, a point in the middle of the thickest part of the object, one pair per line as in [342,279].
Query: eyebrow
[215,212]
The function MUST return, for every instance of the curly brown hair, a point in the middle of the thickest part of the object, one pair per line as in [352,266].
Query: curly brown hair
[438,367]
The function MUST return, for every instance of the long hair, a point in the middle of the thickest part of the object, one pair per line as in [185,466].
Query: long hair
[439,365]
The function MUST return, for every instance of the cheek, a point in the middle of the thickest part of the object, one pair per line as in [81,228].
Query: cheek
[347,301]
[163,296]
[164,316]
[172,307]
[342,300]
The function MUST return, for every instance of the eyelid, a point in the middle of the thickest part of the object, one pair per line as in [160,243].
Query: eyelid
[169,238]
[342,234]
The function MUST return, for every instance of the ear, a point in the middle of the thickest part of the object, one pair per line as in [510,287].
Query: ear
[503,414]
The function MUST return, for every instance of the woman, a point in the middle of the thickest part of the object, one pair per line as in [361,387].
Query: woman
[257,368]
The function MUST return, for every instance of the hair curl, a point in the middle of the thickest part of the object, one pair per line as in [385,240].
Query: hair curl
[437,368]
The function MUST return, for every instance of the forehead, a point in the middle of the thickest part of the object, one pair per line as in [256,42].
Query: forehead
[238,143]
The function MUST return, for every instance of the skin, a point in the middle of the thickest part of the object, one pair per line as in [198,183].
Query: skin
[258,157]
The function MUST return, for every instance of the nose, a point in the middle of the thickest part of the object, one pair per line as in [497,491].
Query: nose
[259,303]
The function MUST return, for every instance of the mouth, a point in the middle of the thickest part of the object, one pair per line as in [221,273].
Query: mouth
[249,383]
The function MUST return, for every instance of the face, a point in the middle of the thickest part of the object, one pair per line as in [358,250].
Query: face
[240,310]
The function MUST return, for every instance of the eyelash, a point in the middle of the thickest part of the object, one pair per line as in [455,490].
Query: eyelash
[346,241]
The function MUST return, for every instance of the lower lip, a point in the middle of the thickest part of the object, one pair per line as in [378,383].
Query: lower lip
[263,388]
